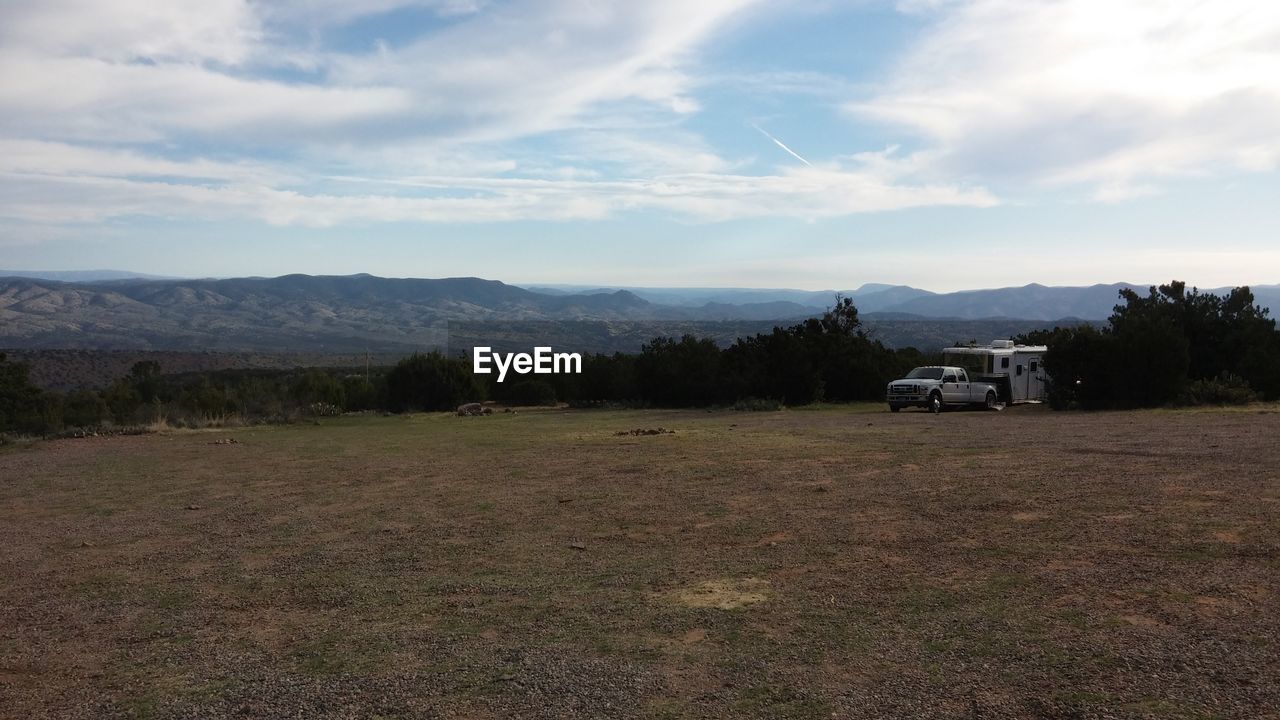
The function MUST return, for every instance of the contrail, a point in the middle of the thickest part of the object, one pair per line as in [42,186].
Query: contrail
[780,144]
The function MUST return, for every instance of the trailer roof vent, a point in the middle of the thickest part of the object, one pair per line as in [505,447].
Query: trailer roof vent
[1002,344]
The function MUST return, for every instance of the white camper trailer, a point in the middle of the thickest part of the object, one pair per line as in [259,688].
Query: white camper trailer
[1017,370]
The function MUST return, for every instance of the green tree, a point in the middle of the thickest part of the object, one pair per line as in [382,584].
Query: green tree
[318,386]
[146,379]
[84,409]
[605,378]
[1155,344]
[431,382]
[681,373]
[122,401]
[20,401]
[775,365]
[828,357]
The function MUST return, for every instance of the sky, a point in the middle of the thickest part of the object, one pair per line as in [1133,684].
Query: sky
[944,144]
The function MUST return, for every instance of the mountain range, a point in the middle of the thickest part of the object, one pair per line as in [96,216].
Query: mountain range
[354,313]
[1028,302]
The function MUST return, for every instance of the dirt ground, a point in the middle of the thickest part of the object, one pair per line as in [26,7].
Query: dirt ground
[839,562]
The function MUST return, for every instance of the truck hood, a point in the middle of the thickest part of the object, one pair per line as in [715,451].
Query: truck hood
[916,381]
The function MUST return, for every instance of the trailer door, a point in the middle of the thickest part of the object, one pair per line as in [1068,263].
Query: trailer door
[1035,378]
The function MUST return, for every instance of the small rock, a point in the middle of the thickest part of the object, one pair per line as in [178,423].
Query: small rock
[193,507]
[576,545]
[86,543]
[646,431]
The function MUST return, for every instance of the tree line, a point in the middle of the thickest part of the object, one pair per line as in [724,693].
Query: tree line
[146,395]
[827,358]
[1170,346]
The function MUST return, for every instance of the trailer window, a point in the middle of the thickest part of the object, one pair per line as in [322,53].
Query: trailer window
[1019,368]
[1004,363]
[971,362]
[1034,364]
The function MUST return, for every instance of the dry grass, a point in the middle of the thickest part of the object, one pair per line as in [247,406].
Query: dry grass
[836,562]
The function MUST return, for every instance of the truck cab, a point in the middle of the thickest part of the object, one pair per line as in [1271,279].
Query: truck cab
[939,386]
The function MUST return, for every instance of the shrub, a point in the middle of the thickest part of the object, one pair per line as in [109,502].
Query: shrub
[84,409]
[1226,389]
[431,382]
[755,404]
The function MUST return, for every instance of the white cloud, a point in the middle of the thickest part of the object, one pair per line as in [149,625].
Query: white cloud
[103,105]
[803,193]
[97,100]
[224,31]
[141,71]
[340,12]
[36,158]
[1113,96]
[641,152]
[528,68]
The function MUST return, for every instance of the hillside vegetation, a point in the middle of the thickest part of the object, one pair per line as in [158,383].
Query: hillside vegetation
[359,313]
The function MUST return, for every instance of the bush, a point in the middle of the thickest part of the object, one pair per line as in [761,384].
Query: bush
[681,373]
[317,387]
[84,409]
[1226,389]
[431,382]
[755,404]
[22,407]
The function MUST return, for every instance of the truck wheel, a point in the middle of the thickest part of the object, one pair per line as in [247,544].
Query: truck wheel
[935,403]
[991,400]
[895,408]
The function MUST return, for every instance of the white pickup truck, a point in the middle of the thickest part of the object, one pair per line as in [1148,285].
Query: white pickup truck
[937,387]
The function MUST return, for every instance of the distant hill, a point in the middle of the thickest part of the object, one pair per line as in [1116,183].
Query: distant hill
[872,296]
[1039,302]
[1032,302]
[698,297]
[294,313]
[305,314]
[887,298]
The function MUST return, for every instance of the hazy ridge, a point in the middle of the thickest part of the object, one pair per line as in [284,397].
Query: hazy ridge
[355,313]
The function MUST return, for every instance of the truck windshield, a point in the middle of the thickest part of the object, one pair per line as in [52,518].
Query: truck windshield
[925,374]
